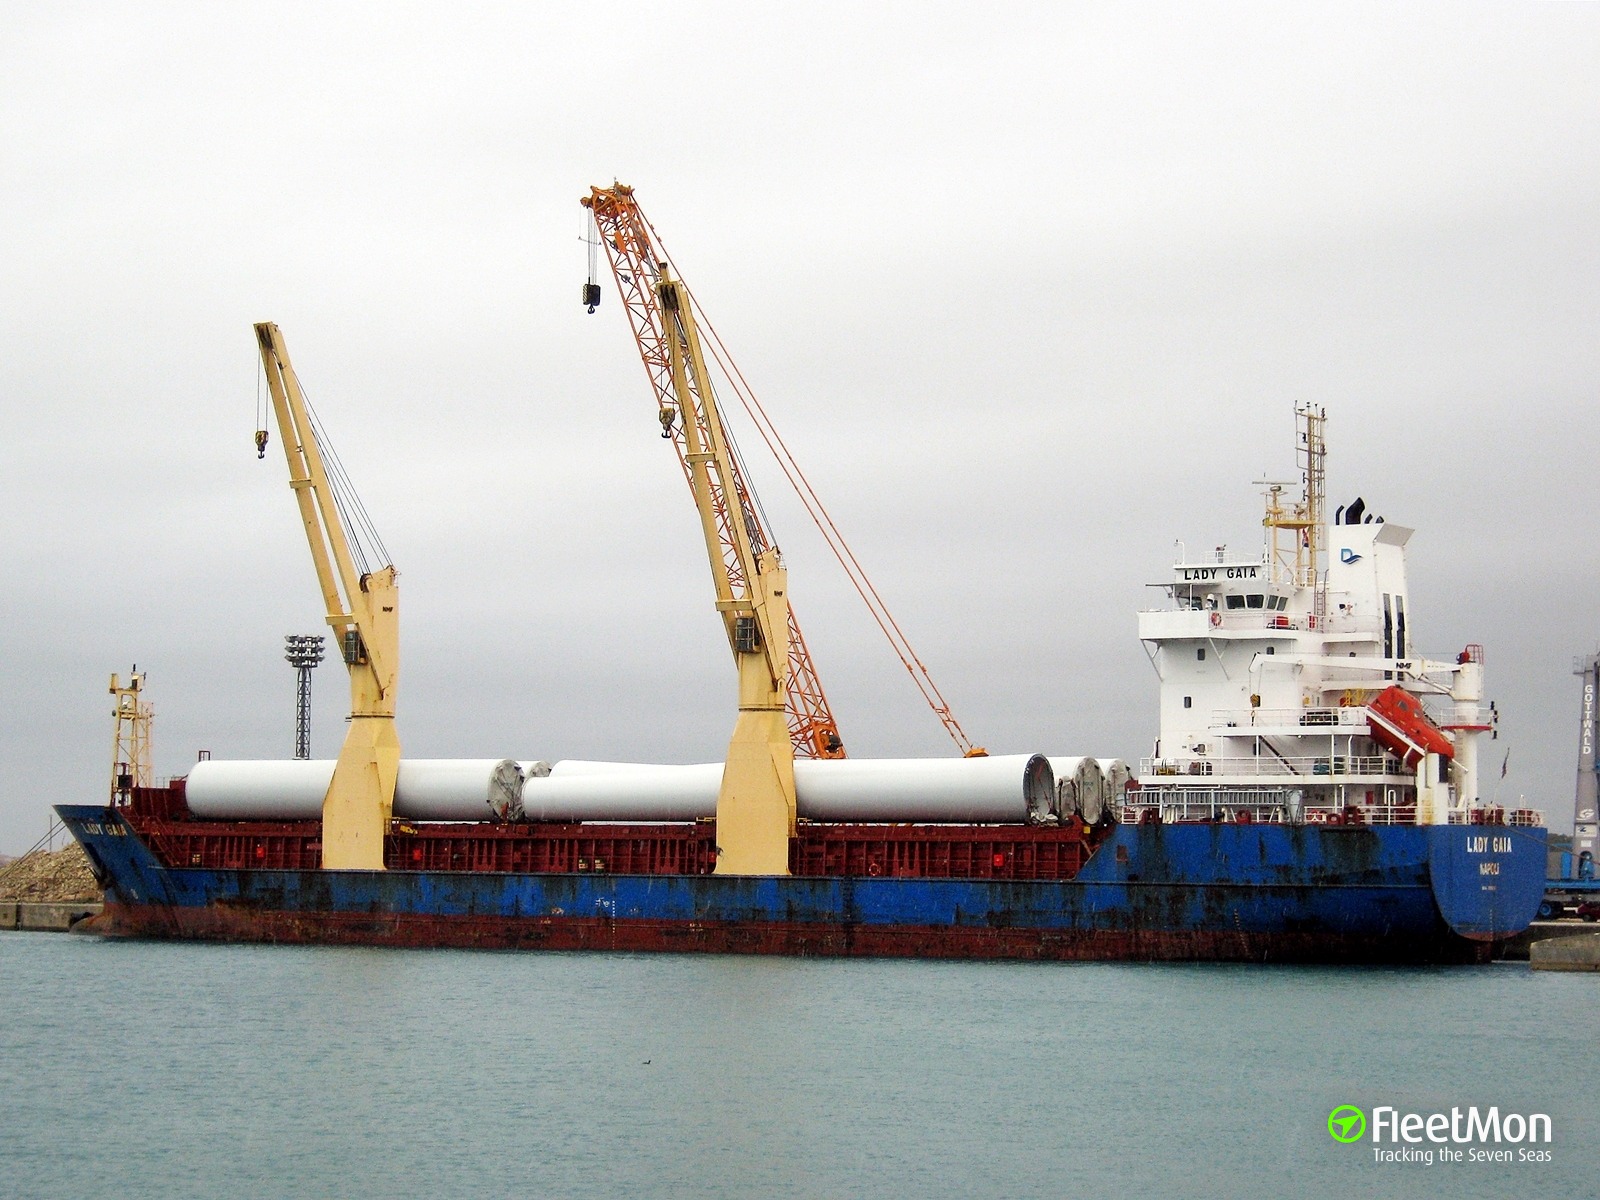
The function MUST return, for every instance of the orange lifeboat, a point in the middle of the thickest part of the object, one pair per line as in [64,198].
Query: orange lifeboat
[1399,723]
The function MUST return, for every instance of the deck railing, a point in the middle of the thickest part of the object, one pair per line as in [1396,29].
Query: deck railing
[1267,619]
[1352,718]
[1321,769]
[1279,806]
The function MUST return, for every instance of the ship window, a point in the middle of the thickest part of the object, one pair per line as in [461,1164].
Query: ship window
[1272,649]
[1188,701]
[1280,602]
[1235,601]
[1200,654]
[1254,601]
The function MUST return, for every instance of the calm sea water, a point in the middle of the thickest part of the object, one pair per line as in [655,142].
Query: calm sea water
[161,1070]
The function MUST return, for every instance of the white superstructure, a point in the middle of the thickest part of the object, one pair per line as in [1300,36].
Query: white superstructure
[1270,665]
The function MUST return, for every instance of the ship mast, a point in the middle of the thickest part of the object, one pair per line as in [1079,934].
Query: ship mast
[130,745]
[1297,540]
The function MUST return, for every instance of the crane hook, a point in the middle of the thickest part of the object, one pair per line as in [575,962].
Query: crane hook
[667,416]
[261,443]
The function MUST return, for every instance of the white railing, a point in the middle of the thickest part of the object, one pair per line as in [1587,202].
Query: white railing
[1489,815]
[1181,805]
[1365,814]
[1351,717]
[1315,769]
[1475,715]
[1273,806]
[1276,806]
[1240,619]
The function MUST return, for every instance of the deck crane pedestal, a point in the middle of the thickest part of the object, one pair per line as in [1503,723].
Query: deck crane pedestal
[363,610]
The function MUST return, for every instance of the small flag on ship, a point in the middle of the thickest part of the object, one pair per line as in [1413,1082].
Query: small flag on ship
[1504,762]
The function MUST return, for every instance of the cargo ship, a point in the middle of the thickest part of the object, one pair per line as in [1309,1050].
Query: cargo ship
[1312,796]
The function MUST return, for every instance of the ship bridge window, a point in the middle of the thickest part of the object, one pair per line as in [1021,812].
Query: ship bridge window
[1279,603]
[1255,601]
[1235,601]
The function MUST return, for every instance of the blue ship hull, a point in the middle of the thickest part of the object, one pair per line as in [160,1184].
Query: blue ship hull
[1252,893]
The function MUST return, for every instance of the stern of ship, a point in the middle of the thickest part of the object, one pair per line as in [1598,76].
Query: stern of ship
[1487,880]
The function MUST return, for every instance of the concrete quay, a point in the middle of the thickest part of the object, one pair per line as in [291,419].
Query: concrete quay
[1542,931]
[45,917]
[1566,954]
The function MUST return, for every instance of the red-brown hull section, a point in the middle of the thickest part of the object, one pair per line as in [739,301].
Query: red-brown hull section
[220,923]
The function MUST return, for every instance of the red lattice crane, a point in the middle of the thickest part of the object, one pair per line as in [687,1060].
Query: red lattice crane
[639,262]
[636,263]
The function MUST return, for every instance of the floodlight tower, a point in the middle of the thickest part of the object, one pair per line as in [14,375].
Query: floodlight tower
[304,651]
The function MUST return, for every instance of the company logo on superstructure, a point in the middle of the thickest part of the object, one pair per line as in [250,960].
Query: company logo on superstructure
[1586,746]
[1470,1135]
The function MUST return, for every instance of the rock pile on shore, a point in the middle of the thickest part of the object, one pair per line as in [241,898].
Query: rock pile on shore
[43,876]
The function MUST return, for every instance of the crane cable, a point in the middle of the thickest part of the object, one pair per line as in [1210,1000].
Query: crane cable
[589,235]
[362,535]
[261,407]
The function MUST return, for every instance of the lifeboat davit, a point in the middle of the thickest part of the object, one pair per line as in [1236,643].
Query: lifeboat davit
[1399,723]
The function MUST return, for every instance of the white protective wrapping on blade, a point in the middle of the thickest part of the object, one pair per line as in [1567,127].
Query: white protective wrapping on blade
[1004,789]
[426,789]
[1117,775]
[589,791]
[1080,787]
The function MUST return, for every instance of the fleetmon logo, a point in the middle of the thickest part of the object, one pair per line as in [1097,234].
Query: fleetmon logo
[1346,1123]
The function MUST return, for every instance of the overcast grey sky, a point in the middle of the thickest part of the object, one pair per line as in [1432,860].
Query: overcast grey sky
[1031,289]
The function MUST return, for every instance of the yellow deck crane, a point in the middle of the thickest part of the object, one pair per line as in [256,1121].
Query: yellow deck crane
[781,707]
[756,803]
[363,608]
[673,360]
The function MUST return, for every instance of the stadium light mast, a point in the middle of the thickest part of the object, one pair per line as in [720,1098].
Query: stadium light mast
[304,652]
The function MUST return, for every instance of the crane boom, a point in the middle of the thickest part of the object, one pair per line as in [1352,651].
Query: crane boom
[637,260]
[725,501]
[363,610]
[756,801]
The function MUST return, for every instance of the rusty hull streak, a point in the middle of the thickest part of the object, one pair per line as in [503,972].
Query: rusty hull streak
[235,923]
